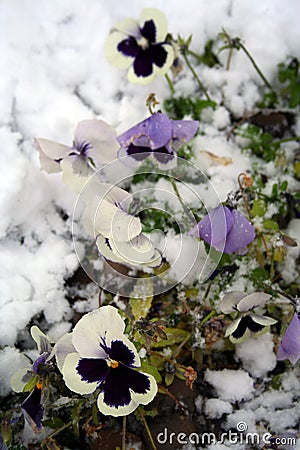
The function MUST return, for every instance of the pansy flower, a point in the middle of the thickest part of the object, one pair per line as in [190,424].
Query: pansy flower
[289,347]
[141,46]
[118,234]
[158,136]
[94,144]
[226,230]
[98,356]
[32,380]
[248,324]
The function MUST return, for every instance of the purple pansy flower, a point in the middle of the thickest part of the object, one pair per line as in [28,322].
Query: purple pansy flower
[157,135]
[289,347]
[32,380]
[226,230]
[249,324]
[141,45]
[94,144]
[98,355]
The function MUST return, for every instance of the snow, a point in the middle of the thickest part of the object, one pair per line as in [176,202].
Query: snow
[54,74]
[257,355]
[231,385]
[215,408]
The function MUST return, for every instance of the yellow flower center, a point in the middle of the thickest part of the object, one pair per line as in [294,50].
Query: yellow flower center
[113,364]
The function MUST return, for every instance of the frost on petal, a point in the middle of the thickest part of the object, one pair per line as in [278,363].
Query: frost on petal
[215,226]
[159,19]
[124,390]
[183,131]
[231,300]
[253,300]
[289,347]
[42,341]
[240,235]
[93,327]
[101,138]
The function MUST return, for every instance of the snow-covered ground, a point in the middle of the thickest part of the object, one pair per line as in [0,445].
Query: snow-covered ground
[54,74]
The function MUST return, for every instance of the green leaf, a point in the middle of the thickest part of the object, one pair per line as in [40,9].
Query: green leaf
[31,383]
[284,185]
[270,224]
[169,378]
[140,306]
[259,208]
[147,368]
[175,336]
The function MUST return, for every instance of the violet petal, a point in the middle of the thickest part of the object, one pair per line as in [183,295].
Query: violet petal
[240,235]
[290,343]
[157,128]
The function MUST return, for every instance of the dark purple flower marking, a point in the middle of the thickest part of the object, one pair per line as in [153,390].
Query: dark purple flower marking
[226,230]
[116,375]
[290,343]
[33,410]
[144,49]
[157,135]
[245,323]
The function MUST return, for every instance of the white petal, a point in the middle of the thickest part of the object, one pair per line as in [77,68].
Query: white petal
[113,223]
[136,400]
[232,327]
[92,327]
[102,138]
[20,379]
[52,149]
[75,181]
[105,251]
[159,19]
[231,300]
[73,379]
[42,341]
[48,164]
[112,54]
[96,190]
[137,251]
[263,320]
[62,348]
[248,334]
[252,301]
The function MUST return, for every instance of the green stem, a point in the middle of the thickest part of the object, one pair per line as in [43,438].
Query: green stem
[208,317]
[229,58]
[196,76]
[257,68]
[185,208]
[290,139]
[171,86]
[147,429]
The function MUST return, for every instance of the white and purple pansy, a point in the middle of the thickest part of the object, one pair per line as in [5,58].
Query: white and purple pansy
[141,46]
[94,145]
[248,324]
[98,356]
[289,347]
[158,136]
[32,380]
[226,230]
[118,234]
